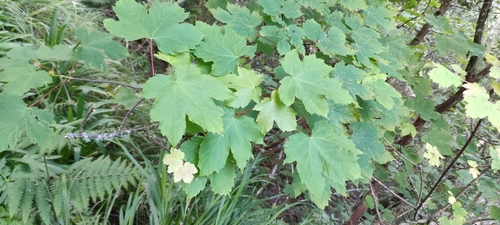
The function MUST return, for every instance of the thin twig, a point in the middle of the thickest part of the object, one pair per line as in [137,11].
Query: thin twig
[50,91]
[375,203]
[464,189]
[103,136]
[445,172]
[393,193]
[86,118]
[128,113]
[155,141]
[103,81]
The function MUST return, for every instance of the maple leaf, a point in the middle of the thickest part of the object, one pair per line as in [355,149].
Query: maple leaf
[22,78]
[326,157]
[94,45]
[239,19]
[495,69]
[18,122]
[351,78]
[495,155]
[161,24]
[444,77]
[271,110]
[308,80]
[223,181]
[185,173]
[237,136]
[366,138]
[57,53]
[246,84]
[384,93]
[187,92]
[174,160]
[473,168]
[224,49]
[432,154]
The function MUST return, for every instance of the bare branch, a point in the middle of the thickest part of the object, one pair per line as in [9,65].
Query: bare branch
[103,136]
[128,113]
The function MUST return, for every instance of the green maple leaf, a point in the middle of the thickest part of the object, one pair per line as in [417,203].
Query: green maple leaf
[331,44]
[57,53]
[376,17]
[194,187]
[384,92]
[495,155]
[367,46]
[433,155]
[351,78]
[458,44]
[325,158]
[224,49]
[246,84]
[239,19]
[439,135]
[495,213]
[22,78]
[187,92]
[353,5]
[444,77]
[237,136]
[271,110]
[308,80]
[424,107]
[366,138]
[223,181]
[20,122]
[160,24]
[94,45]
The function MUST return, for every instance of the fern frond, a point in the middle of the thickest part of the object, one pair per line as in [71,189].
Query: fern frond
[27,200]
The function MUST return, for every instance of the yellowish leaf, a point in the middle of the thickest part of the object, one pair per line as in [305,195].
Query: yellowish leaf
[473,168]
[173,160]
[185,173]
[432,154]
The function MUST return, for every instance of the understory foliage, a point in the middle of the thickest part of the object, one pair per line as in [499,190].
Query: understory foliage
[322,76]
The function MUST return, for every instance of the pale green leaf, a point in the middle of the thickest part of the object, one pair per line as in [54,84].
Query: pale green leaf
[495,155]
[433,155]
[125,97]
[239,19]
[160,23]
[224,49]
[223,181]
[408,128]
[325,158]
[214,151]
[444,77]
[353,5]
[23,78]
[335,43]
[246,84]
[308,80]
[194,187]
[20,122]
[187,92]
[271,110]
[238,134]
[495,69]
[57,53]
[94,45]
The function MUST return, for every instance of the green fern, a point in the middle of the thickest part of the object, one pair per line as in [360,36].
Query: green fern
[26,193]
